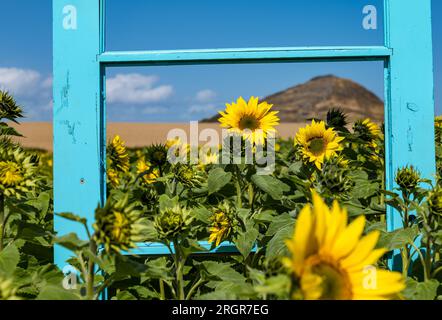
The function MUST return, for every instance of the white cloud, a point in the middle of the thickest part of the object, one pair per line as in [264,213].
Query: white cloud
[19,81]
[136,88]
[31,89]
[205,95]
[47,83]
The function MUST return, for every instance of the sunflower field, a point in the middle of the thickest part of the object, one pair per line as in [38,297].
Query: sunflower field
[313,229]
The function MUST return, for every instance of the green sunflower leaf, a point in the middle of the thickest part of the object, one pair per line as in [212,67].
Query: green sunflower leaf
[276,247]
[71,242]
[421,290]
[217,179]
[222,271]
[274,187]
[72,217]
[56,292]
[245,241]
[398,239]
[9,258]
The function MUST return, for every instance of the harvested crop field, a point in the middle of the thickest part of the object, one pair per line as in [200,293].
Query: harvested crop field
[39,134]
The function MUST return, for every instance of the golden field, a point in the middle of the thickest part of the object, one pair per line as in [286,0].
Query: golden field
[39,134]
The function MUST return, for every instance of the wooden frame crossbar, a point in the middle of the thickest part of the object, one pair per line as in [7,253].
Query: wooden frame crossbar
[249,55]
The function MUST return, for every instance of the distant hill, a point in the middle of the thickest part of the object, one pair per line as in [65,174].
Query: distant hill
[314,98]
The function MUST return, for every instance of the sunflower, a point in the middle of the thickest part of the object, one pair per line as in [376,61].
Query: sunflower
[407,178]
[253,120]
[221,226]
[172,142]
[331,261]
[334,180]
[118,155]
[17,172]
[189,176]
[8,107]
[10,174]
[337,119]
[318,143]
[157,155]
[172,222]
[435,202]
[118,226]
[144,169]
[112,178]
[208,156]
[367,131]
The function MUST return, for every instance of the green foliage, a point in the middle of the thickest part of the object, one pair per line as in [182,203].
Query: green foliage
[184,204]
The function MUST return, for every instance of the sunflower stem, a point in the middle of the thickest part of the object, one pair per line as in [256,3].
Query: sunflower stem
[251,198]
[238,195]
[382,197]
[90,292]
[422,259]
[162,292]
[238,187]
[428,259]
[405,261]
[179,270]
[436,271]
[194,287]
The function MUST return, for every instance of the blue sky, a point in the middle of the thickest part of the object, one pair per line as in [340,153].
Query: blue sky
[182,93]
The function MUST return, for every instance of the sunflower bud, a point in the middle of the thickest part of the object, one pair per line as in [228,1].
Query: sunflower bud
[187,175]
[367,131]
[148,196]
[118,157]
[17,172]
[435,202]
[335,179]
[112,177]
[8,107]
[172,222]
[337,119]
[118,226]
[157,155]
[407,178]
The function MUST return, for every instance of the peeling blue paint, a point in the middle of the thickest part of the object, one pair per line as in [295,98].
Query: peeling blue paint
[410,138]
[412,107]
[64,101]
[71,129]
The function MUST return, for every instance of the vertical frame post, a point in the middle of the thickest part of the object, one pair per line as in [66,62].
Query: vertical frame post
[78,114]
[409,111]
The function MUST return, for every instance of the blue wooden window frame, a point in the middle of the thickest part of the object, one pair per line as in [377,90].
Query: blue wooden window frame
[79,66]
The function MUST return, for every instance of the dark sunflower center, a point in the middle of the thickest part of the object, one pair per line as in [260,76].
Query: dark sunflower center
[159,155]
[248,122]
[317,146]
[334,284]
